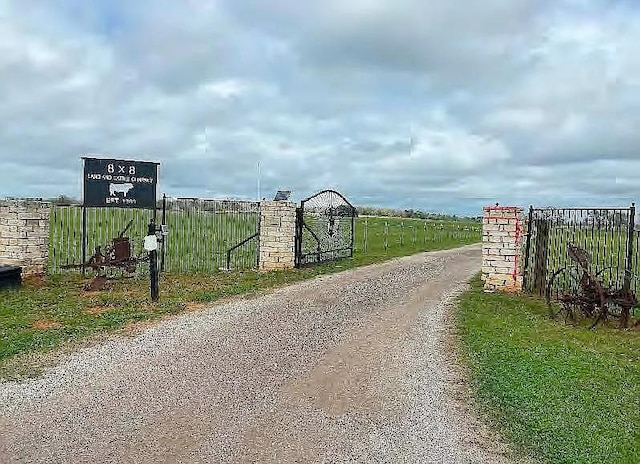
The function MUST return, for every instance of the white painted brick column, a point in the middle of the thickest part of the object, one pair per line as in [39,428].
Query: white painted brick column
[502,237]
[24,234]
[277,235]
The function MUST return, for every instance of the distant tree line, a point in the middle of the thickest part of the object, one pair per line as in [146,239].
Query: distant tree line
[64,200]
[409,213]
[360,210]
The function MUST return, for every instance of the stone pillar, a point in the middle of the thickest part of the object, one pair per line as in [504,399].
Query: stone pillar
[277,235]
[502,236]
[24,234]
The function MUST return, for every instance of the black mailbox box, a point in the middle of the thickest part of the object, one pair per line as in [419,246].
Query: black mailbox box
[10,276]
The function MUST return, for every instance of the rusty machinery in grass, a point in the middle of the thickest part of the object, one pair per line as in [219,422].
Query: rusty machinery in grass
[116,255]
[579,291]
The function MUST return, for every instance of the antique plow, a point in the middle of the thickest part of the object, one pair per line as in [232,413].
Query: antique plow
[578,291]
[116,255]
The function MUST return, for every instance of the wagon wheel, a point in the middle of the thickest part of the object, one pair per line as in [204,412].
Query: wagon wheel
[600,275]
[602,296]
[563,294]
[623,303]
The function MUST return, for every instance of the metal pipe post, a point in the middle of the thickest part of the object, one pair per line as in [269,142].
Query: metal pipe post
[84,237]
[164,223]
[528,247]
[628,271]
[153,266]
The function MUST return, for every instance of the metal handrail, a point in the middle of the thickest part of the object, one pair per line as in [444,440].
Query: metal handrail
[238,245]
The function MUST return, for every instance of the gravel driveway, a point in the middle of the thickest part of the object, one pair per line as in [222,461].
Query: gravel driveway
[351,367]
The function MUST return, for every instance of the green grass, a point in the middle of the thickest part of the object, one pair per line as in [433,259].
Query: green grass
[563,394]
[44,315]
[408,236]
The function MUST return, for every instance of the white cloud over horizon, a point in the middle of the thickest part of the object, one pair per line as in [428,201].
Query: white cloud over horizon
[441,106]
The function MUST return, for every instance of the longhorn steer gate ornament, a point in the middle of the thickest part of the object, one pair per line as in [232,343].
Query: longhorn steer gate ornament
[324,228]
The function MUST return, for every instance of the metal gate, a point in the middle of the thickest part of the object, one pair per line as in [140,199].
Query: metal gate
[607,234]
[324,228]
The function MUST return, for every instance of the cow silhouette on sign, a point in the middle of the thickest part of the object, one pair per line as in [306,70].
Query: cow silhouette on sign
[120,188]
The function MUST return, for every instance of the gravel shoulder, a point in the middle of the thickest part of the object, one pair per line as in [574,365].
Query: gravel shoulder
[351,367]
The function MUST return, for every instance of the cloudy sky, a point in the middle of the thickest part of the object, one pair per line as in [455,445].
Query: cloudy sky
[440,105]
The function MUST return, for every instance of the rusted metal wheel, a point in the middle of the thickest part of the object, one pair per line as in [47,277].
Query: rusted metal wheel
[562,293]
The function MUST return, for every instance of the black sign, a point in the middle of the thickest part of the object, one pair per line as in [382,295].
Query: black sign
[120,183]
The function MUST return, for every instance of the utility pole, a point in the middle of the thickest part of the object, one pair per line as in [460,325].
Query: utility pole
[259,192]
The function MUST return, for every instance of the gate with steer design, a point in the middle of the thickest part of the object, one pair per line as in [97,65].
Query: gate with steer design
[324,228]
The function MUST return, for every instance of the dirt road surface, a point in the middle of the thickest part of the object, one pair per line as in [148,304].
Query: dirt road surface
[351,367]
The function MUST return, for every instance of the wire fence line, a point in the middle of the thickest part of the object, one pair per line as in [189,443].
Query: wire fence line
[206,235]
[384,234]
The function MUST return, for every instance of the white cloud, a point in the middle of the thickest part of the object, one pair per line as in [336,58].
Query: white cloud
[444,151]
[521,100]
[226,88]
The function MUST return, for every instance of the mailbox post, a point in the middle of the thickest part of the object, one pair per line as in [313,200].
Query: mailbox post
[151,245]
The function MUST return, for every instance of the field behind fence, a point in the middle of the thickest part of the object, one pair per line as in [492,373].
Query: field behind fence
[607,249]
[103,224]
[401,236]
[202,231]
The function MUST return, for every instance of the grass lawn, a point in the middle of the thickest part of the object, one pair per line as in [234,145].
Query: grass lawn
[371,233]
[564,394]
[44,315]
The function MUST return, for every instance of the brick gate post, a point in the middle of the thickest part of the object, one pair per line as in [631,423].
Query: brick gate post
[502,238]
[24,234]
[277,235]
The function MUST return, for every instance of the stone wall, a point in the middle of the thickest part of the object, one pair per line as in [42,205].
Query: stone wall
[24,234]
[502,238]
[277,235]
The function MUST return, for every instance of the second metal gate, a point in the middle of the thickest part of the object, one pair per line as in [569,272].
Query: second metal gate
[608,235]
[324,228]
